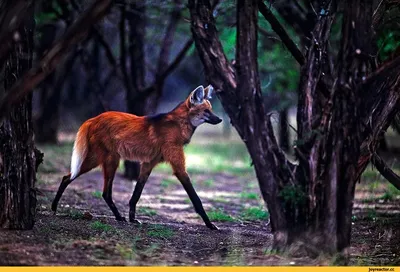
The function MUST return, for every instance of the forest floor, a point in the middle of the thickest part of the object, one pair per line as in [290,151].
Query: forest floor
[84,232]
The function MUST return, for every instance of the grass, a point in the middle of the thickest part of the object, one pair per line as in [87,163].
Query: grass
[248,195]
[147,211]
[75,214]
[160,231]
[370,174]
[221,199]
[220,215]
[165,183]
[212,157]
[97,194]
[99,226]
[234,257]
[254,214]
[56,157]
[252,185]
[373,186]
[209,183]
[371,214]
[125,251]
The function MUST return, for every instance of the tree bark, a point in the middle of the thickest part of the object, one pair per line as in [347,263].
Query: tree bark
[238,88]
[342,114]
[284,133]
[18,161]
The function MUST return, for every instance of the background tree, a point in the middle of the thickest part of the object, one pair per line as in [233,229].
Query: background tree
[143,99]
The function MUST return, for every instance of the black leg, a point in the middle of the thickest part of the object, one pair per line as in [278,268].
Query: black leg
[145,170]
[109,170]
[63,185]
[198,206]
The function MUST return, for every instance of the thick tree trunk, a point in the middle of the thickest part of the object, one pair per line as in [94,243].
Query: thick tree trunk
[341,116]
[240,94]
[17,152]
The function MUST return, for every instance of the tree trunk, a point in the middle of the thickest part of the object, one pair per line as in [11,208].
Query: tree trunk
[17,152]
[341,116]
[47,123]
[240,94]
[135,79]
[284,133]
[142,100]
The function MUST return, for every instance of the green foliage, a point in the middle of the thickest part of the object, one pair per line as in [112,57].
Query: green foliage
[221,199]
[278,69]
[388,42]
[75,214]
[147,211]
[248,195]
[373,185]
[97,194]
[160,231]
[56,157]
[165,183]
[208,183]
[220,215]
[371,214]
[97,225]
[125,252]
[212,157]
[293,194]
[218,157]
[254,213]
[391,193]
[50,14]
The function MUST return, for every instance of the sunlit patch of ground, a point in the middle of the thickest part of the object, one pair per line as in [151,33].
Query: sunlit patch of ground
[84,231]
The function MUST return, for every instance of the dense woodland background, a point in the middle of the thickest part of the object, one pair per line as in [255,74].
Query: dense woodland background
[310,96]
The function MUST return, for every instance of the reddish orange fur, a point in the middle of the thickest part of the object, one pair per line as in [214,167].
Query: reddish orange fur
[112,135]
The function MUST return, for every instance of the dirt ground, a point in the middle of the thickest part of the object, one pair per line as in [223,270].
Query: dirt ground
[84,231]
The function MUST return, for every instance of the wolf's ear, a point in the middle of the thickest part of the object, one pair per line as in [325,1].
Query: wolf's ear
[209,91]
[197,96]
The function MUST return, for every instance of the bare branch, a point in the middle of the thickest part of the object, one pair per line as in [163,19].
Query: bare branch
[100,38]
[278,28]
[179,57]
[295,16]
[49,62]
[385,171]
[173,65]
[382,8]
[385,69]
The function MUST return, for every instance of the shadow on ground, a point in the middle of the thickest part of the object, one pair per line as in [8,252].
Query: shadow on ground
[84,231]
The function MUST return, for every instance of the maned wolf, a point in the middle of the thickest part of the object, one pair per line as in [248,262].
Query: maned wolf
[110,136]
